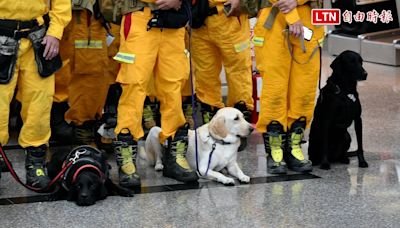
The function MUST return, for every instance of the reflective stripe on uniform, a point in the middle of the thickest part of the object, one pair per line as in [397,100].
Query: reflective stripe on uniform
[92,44]
[124,57]
[239,47]
[258,41]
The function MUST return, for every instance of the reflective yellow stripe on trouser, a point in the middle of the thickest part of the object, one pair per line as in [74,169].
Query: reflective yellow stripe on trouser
[36,95]
[160,52]
[223,40]
[288,90]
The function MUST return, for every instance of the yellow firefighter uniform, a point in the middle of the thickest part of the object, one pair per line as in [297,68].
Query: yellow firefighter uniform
[88,85]
[141,54]
[289,86]
[34,92]
[223,41]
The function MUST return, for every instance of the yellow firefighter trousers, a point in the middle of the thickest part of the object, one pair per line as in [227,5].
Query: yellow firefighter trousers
[85,76]
[36,96]
[223,41]
[141,54]
[289,88]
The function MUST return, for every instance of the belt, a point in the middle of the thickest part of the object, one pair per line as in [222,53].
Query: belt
[19,29]
[212,11]
[14,33]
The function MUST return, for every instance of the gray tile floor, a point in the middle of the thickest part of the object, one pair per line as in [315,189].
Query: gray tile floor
[345,196]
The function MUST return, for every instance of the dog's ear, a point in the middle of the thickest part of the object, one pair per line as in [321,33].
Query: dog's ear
[217,127]
[102,191]
[203,133]
[336,65]
[72,193]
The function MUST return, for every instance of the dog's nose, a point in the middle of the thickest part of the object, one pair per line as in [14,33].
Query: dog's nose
[365,74]
[84,195]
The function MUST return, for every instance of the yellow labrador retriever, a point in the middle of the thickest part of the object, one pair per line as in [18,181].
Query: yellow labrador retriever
[217,146]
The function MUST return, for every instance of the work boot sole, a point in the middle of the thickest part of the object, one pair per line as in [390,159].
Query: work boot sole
[131,183]
[190,177]
[302,169]
[277,170]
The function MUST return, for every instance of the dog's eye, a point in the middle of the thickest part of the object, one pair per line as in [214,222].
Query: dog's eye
[237,118]
[94,186]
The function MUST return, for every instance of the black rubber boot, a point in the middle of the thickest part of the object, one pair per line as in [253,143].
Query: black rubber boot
[207,112]
[3,167]
[151,115]
[125,154]
[241,106]
[174,159]
[274,142]
[111,106]
[188,110]
[2,164]
[35,161]
[60,129]
[85,134]
[294,155]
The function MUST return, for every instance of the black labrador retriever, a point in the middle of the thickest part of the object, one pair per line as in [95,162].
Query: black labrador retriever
[87,179]
[337,107]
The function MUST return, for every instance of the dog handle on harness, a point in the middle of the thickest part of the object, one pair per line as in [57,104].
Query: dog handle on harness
[39,190]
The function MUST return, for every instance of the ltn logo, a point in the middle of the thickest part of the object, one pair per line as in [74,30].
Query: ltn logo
[325,16]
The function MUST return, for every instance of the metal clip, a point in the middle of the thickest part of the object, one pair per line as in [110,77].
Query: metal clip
[77,155]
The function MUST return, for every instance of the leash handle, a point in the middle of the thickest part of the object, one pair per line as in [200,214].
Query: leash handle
[16,177]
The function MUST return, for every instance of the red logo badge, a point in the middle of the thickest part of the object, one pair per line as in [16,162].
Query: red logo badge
[325,16]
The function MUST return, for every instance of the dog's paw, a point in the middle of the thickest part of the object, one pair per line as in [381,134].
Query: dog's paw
[159,167]
[345,160]
[363,164]
[325,166]
[228,181]
[53,197]
[244,179]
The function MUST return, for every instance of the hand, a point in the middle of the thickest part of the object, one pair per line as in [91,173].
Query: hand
[296,29]
[235,8]
[52,47]
[169,4]
[285,6]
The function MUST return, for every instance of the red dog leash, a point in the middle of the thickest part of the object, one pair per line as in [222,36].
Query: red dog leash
[39,190]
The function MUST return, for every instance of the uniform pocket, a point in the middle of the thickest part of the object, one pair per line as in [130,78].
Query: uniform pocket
[90,57]
[8,58]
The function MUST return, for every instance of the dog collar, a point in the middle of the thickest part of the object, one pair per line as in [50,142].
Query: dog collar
[219,141]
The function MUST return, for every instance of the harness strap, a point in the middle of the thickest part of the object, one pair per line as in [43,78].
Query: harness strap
[271,18]
[85,167]
[290,47]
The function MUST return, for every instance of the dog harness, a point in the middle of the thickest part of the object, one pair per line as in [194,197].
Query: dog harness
[83,157]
